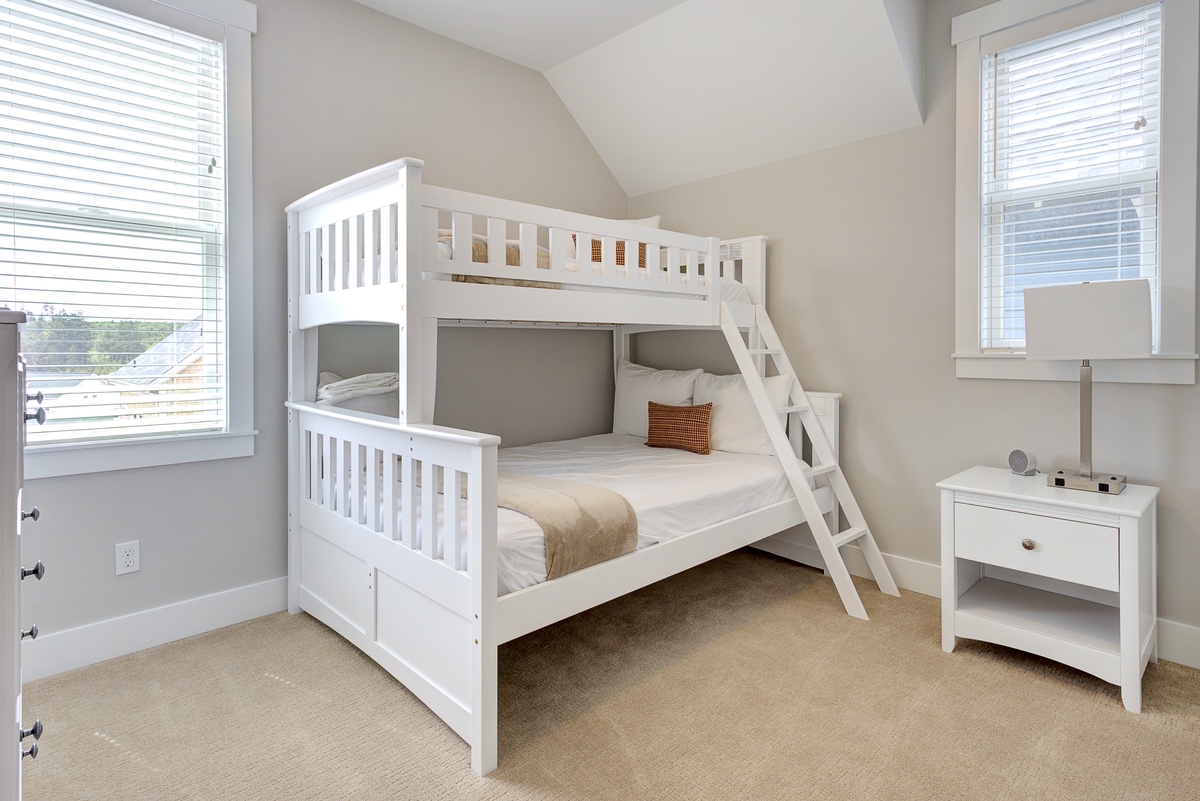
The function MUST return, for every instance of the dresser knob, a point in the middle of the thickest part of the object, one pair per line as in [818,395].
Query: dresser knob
[31,634]
[36,397]
[33,514]
[31,753]
[36,731]
[39,415]
[37,571]
[1028,545]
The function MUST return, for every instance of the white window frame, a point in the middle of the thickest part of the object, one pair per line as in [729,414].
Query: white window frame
[1017,21]
[238,20]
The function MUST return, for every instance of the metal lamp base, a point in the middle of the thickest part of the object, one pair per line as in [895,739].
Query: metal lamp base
[1104,483]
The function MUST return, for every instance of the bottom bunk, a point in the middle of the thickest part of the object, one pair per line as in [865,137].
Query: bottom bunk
[398,545]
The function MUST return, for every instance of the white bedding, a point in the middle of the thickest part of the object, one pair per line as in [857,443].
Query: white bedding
[674,492]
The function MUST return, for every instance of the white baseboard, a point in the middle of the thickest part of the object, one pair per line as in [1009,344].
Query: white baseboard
[909,574]
[1177,642]
[56,652]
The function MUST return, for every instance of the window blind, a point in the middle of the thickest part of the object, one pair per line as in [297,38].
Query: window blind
[1070,159]
[112,218]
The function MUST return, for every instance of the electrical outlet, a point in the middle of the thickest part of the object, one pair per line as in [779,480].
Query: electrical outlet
[129,557]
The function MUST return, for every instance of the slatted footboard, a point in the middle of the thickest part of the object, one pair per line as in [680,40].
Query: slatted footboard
[390,558]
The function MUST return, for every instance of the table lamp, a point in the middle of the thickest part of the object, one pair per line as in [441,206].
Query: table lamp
[1082,322]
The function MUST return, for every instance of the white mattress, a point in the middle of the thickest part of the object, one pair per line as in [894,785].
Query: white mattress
[674,492]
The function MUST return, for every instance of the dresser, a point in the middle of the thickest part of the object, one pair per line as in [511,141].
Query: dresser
[1066,574]
[16,741]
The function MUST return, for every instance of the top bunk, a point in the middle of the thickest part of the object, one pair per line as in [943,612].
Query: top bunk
[382,247]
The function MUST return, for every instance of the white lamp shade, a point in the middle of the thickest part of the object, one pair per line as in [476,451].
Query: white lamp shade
[1104,320]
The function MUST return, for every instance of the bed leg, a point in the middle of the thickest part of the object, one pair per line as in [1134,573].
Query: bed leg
[485,730]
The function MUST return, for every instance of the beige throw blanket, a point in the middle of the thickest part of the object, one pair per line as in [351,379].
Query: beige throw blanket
[584,524]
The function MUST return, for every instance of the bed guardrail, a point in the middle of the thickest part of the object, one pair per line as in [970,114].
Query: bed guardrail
[357,234]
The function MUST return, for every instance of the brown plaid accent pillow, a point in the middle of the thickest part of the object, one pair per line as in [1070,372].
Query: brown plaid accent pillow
[682,427]
[598,252]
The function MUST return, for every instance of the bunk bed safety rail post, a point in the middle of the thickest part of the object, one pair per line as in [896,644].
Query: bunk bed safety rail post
[385,502]
[418,336]
[713,278]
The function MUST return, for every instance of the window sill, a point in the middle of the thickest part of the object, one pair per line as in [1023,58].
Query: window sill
[49,461]
[1155,370]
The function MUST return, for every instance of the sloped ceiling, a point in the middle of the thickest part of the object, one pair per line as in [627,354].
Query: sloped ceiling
[675,91]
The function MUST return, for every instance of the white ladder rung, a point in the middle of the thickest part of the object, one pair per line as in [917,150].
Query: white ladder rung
[821,470]
[791,409]
[849,535]
[764,351]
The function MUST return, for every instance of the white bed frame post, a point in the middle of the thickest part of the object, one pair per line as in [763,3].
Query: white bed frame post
[482,567]
[418,335]
[302,346]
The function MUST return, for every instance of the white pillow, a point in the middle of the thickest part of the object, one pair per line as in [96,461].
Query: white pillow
[650,222]
[638,385]
[736,426]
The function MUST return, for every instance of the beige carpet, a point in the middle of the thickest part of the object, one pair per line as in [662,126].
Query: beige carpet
[741,679]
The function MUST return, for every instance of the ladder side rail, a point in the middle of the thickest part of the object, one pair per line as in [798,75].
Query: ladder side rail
[822,450]
[822,535]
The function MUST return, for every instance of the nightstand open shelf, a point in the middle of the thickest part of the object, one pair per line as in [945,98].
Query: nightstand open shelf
[1065,574]
[1082,634]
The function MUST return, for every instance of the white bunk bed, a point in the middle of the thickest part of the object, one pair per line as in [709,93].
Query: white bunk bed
[418,592]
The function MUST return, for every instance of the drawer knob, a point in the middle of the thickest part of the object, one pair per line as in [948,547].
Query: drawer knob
[36,731]
[1028,545]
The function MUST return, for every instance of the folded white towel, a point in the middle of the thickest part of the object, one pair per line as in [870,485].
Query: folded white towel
[332,388]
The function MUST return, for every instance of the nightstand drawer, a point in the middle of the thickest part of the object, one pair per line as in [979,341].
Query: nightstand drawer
[1085,553]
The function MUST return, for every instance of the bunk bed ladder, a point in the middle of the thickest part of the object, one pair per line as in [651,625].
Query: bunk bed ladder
[765,346]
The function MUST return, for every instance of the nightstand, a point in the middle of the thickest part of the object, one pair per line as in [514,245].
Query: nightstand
[1066,574]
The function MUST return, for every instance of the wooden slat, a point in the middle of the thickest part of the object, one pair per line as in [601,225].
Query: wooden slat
[560,241]
[371,504]
[313,440]
[328,265]
[354,251]
[461,233]
[529,253]
[330,468]
[371,249]
[497,235]
[653,262]
[429,509]
[390,527]
[355,487]
[408,502]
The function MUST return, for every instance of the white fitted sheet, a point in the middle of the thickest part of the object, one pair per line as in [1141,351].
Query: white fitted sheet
[674,492]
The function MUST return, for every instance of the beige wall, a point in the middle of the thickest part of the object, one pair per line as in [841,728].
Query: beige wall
[861,280]
[338,88]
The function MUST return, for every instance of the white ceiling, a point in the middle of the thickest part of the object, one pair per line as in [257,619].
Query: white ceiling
[675,91]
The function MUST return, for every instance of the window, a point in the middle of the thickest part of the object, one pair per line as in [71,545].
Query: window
[121,179]
[1083,170]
